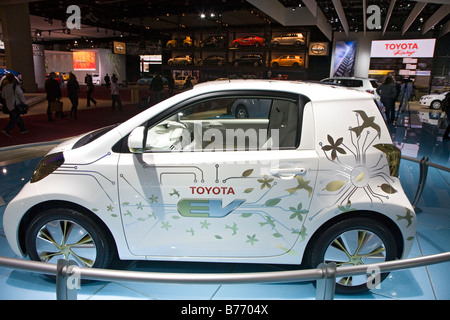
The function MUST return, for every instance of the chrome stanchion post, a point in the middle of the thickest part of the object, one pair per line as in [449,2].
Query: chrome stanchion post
[66,285]
[325,287]
[422,181]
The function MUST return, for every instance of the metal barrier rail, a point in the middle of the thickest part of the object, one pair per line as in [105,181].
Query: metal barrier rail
[325,275]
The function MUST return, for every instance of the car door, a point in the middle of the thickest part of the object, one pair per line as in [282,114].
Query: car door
[212,186]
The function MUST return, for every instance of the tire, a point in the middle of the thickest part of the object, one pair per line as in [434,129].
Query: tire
[63,233]
[354,241]
[435,105]
[241,112]
[275,64]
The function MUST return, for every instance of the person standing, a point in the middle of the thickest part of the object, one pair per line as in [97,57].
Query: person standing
[406,90]
[12,93]
[157,87]
[446,107]
[53,93]
[107,80]
[115,97]
[387,94]
[73,89]
[90,90]
[171,84]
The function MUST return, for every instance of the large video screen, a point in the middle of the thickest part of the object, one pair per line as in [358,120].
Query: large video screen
[84,60]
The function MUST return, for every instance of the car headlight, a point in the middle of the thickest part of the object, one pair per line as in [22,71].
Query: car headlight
[47,165]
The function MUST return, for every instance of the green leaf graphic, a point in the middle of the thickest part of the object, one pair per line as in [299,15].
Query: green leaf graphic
[272,202]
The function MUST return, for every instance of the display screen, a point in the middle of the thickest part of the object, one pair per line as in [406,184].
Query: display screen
[84,60]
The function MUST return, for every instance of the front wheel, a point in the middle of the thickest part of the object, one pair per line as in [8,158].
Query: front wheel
[435,105]
[63,233]
[351,242]
[242,112]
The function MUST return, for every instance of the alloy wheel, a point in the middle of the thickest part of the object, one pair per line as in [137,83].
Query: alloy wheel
[65,239]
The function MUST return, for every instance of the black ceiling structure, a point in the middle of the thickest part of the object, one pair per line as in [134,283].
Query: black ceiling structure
[103,20]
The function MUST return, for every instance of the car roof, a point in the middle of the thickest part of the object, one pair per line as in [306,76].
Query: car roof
[356,78]
[314,91]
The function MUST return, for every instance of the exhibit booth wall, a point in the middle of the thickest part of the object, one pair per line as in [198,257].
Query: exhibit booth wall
[363,44]
[97,62]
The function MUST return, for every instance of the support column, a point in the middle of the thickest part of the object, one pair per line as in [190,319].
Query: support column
[15,19]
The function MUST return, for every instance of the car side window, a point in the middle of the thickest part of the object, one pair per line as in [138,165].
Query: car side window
[231,123]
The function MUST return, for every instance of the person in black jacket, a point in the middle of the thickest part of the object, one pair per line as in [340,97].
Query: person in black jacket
[446,107]
[53,94]
[157,86]
[90,90]
[73,89]
[387,94]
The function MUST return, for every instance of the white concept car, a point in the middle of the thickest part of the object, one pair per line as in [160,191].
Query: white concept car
[315,180]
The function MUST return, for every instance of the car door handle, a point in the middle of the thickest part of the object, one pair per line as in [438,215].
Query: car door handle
[287,172]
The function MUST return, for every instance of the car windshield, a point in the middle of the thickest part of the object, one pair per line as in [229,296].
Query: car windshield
[93,136]
[374,83]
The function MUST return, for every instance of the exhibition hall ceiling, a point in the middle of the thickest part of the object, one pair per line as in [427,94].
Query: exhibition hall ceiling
[156,19]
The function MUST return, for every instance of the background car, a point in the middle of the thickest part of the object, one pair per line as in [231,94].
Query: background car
[433,100]
[290,39]
[287,61]
[148,80]
[213,60]
[4,72]
[251,108]
[254,60]
[180,81]
[180,60]
[358,83]
[179,42]
[248,41]
[212,41]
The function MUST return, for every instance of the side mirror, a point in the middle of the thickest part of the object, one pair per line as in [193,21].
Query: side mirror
[136,140]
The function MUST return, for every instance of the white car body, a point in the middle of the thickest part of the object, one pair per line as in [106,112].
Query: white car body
[357,83]
[433,100]
[207,204]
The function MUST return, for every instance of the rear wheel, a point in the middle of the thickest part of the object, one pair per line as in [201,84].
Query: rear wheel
[351,242]
[63,233]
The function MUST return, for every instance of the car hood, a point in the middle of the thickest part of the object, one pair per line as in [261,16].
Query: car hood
[81,140]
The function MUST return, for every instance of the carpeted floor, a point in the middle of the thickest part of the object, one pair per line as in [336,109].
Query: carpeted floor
[40,129]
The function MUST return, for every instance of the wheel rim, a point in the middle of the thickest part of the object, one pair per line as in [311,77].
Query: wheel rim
[355,247]
[242,113]
[64,239]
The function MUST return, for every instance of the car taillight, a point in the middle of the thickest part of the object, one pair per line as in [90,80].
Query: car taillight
[370,91]
[393,156]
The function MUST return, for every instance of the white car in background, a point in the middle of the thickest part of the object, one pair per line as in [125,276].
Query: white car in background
[358,83]
[315,180]
[433,100]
